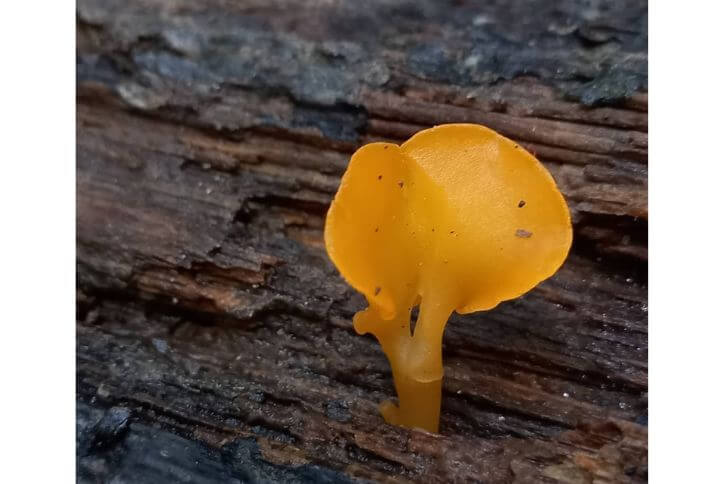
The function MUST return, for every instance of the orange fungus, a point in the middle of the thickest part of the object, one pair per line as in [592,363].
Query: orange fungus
[457,218]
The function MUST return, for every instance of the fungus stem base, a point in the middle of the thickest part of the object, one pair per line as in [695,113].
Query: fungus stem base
[419,404]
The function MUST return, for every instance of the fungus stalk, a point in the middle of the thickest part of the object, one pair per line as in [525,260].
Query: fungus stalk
[416,361]
[458,218]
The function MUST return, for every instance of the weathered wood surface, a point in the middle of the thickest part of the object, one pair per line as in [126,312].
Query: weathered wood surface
[214,336]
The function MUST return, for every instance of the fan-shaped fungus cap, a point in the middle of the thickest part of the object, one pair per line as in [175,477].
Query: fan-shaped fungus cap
[456,218]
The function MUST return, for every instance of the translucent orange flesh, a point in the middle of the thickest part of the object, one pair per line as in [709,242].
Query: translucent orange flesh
[458,218]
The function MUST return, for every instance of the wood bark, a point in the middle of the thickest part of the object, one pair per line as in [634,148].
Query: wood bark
[214,336]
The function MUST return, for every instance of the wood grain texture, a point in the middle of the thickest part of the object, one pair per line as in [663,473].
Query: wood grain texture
[214,335]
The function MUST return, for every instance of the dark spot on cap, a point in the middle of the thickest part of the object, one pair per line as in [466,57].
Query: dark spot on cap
[379,177]
[452,232]
[377,290]
[376,229]
[515,146]
[401,184]
[386,146]
[433,229]
[524,234]
[521,203]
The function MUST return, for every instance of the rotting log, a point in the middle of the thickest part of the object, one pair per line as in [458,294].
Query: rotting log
[214,336]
